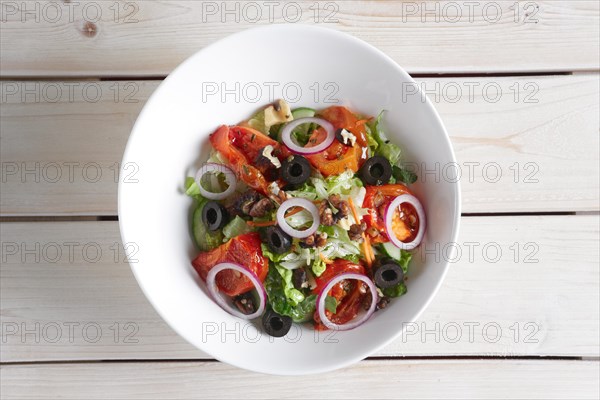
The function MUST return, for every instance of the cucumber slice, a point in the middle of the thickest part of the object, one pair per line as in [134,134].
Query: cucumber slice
[402,256]
[303,112]
[391,250]
[204,239]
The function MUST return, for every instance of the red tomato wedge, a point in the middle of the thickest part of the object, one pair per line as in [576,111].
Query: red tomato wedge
[244,250]
[348,295]
[242,146]
[338,157]
[377,199]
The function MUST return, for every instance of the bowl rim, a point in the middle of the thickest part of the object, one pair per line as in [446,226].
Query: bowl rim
[398,69]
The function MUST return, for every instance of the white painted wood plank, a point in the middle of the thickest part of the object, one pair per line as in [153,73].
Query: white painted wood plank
[541,135]
[144,37]
[485,307]
[448,379]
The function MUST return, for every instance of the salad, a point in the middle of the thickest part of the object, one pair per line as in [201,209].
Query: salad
[304,216]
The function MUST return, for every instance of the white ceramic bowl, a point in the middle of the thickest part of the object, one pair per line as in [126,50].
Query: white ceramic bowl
[310,67]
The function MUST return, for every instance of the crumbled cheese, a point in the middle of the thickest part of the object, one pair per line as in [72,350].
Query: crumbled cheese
[344,223]
[348,136]
[268,153]
[278,113]
[274,188]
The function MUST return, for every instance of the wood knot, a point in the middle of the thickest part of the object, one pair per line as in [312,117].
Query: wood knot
[89,29]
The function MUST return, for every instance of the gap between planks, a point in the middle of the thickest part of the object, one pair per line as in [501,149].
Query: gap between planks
[87,218]
[117,78]
[374,358]
[368,379]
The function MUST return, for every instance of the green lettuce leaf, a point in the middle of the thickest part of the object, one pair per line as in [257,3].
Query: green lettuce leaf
[258,122]
[318,266]
[274,286]
[403,175]
[305,191]
[276,258]
[331,304]
[192,189]
[335,184]
[293,295]
[236,227]
[404,260]
[384,147]
[339,244]
[395,291]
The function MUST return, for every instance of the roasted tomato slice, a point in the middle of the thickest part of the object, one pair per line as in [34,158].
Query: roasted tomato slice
[348,294]
[242,147]
[405,222]
[338,157]
[244,250]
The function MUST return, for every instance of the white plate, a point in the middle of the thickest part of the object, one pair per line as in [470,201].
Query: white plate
[223,84]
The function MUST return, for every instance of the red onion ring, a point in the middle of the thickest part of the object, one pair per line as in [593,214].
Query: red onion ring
[389,216]
[286,135]
[211,283]
[355,322]
[229,178]
[298,202]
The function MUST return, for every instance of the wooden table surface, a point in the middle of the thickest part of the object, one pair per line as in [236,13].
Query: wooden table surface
[517,85]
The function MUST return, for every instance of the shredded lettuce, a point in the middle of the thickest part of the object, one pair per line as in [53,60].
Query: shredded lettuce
[301,219]
[336,184]
[305,191]
[236,227]
[342,183]
[357,194]
[319,188]
[341,245]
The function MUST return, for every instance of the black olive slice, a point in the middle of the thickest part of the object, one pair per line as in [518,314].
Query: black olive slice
[295,170]
[276,325]
[214,216]
[277,240]
[388,274]
[376,170]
